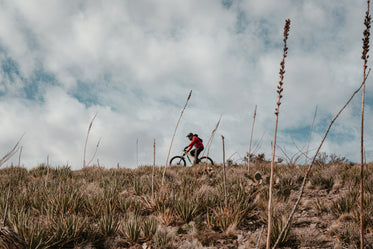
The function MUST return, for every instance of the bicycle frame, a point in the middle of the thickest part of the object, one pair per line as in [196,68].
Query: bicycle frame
[187,154]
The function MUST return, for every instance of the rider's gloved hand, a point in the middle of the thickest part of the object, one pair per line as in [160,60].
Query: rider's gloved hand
[185,148]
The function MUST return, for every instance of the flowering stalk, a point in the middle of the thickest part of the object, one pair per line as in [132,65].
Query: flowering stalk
[364,57]
[305,178]
[277,111]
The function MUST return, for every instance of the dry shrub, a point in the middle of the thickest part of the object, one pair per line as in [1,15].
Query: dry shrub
[187,209]
[163,239]
[344,204]
[284,188]
[221,218]
[348,234]
[10,240]
[87,194]
[278,224]
[321,181]
[321,206]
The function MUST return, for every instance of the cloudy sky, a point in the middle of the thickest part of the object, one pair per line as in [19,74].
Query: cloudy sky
[134,63]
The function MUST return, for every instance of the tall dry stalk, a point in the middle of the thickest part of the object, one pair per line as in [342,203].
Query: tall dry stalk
[153,174]
[364,57]
[19,157]
[94,154]
[224,176]
[209,142]
[173,136]
[305,178]
[279,91]
[86,140]
[11,153]
[309,136]
[251,139]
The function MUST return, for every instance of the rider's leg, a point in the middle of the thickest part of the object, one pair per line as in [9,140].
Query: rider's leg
[199,150]
[192,152]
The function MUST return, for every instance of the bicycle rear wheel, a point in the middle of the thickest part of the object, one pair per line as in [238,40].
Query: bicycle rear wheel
[206,160]
[177,161]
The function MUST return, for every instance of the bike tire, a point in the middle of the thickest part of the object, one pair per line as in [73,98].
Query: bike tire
[207,160]
[177,161]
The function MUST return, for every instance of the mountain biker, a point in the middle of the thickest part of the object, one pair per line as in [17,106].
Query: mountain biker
[197,143]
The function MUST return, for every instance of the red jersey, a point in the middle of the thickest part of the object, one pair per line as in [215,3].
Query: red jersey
[196,142]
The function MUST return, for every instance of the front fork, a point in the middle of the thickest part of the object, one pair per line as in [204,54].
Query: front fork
[187,156]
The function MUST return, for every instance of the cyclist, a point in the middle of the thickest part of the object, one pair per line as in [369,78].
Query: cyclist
[197,143]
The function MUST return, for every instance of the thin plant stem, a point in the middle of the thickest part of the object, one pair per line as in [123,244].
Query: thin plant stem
[362,172]
[367,23]
[309,136]
[11,153]
[260,237]
[173,136]
[153,174]
[224,176]
[271,187]
[19,157]
[292,159]
[209,143]
[258,145]
[299,150]
[94,154]
[251,139]
[305,178]
[279,91]
[86,140]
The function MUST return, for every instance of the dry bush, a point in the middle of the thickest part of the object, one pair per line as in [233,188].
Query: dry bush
[344,204]
[93,205]
[321,181]
[348,234]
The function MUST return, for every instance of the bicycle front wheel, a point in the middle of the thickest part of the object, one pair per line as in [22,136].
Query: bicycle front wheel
[177,161]
[206,160]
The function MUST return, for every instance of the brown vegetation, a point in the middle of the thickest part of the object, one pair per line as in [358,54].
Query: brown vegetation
[113,208]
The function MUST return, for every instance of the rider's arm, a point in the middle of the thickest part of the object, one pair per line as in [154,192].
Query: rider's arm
[194,140]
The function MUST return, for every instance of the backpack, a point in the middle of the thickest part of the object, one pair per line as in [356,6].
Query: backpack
[198,137]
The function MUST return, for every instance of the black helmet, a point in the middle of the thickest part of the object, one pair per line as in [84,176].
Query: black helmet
[190,135]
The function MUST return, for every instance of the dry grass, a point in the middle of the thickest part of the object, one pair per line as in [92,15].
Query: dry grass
[114,208]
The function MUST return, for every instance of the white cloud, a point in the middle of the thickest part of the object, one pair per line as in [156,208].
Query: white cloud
[135,62]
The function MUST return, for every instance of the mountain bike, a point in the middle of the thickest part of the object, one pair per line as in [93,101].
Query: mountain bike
[180,160]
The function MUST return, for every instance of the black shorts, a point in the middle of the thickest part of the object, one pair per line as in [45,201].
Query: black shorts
[199,150]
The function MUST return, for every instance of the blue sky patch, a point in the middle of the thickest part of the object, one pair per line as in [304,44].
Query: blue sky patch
[227,3]
[85,94]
